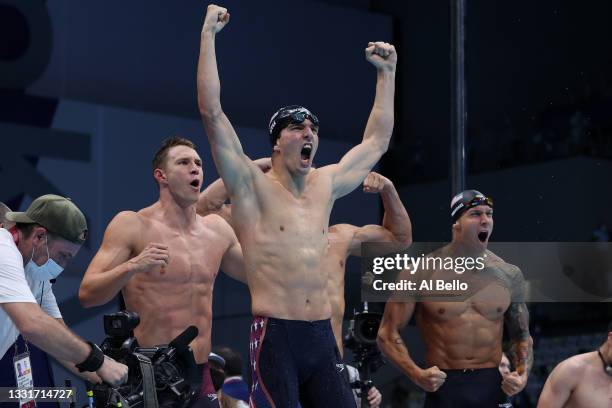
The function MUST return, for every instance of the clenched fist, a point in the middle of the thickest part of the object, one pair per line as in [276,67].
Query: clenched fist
[430,379]
[382,55]
[216,18]
[513,383]
[375,183]
[153,255]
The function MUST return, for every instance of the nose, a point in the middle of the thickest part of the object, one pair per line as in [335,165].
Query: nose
[308,133]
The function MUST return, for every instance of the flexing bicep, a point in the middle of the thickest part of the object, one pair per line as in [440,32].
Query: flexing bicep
[374,234]
[355,166]
[213,197]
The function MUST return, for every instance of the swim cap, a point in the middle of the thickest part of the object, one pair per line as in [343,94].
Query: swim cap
[466,200]
[286,115]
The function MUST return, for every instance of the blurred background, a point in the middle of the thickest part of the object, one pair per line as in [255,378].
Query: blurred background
[88,90]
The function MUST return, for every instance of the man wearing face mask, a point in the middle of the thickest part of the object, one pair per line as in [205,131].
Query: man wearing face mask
[33,252]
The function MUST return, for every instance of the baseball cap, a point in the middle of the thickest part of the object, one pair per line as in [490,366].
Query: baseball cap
[57,214]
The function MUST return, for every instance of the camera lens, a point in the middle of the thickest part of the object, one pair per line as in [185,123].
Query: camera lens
[369,329]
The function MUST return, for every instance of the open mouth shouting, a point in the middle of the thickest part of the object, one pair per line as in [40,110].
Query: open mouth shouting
[483,236]
[195,184]
[305,154]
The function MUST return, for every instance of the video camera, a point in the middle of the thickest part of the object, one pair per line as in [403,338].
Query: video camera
[156,374]
[361,340]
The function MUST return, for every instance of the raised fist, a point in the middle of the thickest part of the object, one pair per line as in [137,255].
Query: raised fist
[375,183]
[382,55]
[216,18]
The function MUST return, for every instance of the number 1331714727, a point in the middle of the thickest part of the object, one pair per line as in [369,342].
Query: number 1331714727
[48,394]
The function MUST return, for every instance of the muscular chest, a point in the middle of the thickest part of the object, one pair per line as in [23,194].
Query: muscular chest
[193,257]
[490,303]
[304,217]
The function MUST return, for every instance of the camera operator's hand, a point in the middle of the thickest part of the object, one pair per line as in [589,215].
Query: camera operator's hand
[113,372]
[374,397]
[430,379]
[154,254]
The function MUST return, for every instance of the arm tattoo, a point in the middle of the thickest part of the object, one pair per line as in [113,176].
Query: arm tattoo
[517,324]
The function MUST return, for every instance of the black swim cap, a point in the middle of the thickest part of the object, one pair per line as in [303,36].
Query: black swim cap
[466,200]
[286,115]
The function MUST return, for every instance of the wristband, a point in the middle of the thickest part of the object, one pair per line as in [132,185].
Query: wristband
[94,360]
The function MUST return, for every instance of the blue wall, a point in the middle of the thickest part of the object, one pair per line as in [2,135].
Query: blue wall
[104,82]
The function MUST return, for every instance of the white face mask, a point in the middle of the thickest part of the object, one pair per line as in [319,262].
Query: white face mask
[47,271]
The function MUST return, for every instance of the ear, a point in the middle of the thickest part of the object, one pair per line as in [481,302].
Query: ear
[38,235]
[276,147]
[456,226]
[159,175]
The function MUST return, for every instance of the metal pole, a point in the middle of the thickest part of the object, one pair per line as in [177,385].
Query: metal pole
[458,108]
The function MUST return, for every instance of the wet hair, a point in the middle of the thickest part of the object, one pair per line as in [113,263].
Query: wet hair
[159,160]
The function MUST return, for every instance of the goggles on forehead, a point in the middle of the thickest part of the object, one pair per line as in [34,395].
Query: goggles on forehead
[474,202]
[284,116]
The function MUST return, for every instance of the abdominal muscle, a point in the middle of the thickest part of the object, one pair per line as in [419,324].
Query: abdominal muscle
[286,280]
[466,340]
[167,309]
